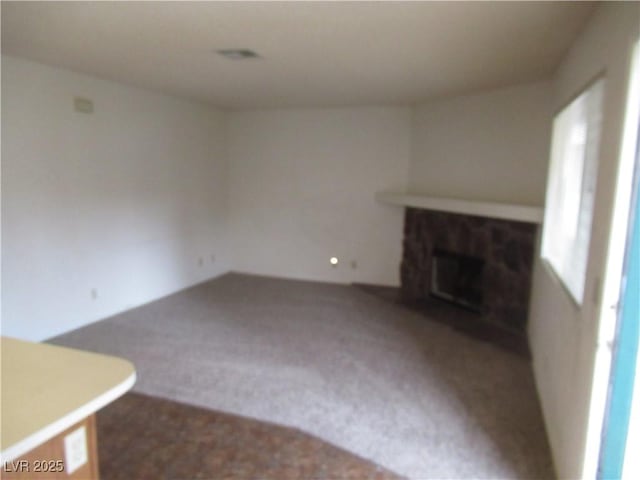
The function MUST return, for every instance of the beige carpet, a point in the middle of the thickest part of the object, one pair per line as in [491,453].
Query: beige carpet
[365,375]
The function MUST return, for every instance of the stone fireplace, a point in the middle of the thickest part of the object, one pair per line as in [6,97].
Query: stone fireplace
[478,263]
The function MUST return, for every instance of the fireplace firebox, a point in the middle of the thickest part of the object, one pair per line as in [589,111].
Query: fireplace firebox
[458,279]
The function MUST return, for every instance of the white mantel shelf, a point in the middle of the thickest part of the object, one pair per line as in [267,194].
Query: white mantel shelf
[505,211]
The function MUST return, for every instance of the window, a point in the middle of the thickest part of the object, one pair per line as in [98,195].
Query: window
[571,189]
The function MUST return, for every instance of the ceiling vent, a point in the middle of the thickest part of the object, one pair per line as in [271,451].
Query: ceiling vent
[238,53]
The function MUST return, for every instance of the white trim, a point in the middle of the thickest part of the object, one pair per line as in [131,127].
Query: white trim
[506,211]
[614,270]
[47,433]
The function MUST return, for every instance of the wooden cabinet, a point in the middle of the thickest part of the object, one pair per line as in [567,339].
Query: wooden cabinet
[49,462]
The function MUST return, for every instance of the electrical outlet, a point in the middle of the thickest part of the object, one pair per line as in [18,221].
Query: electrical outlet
[75,450]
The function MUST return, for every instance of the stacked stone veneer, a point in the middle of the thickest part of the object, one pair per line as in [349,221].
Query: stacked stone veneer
[505,246]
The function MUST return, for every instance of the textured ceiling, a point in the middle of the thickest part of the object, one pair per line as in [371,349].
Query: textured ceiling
[312,54]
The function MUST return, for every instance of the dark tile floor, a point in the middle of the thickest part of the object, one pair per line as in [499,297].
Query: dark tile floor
[142,437]
[464,321]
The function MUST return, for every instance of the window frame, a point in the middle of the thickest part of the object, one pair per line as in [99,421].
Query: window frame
[594,136]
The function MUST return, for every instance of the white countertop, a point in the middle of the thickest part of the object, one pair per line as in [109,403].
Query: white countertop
[46,389]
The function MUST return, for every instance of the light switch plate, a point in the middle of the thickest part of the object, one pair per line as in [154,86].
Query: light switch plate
[75,450]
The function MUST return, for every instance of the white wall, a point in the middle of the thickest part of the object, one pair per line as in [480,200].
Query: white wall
[563,336]
[302,186]
[124,200]
[490,146]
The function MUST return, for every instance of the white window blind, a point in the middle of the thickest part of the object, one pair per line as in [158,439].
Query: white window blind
[571,188]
